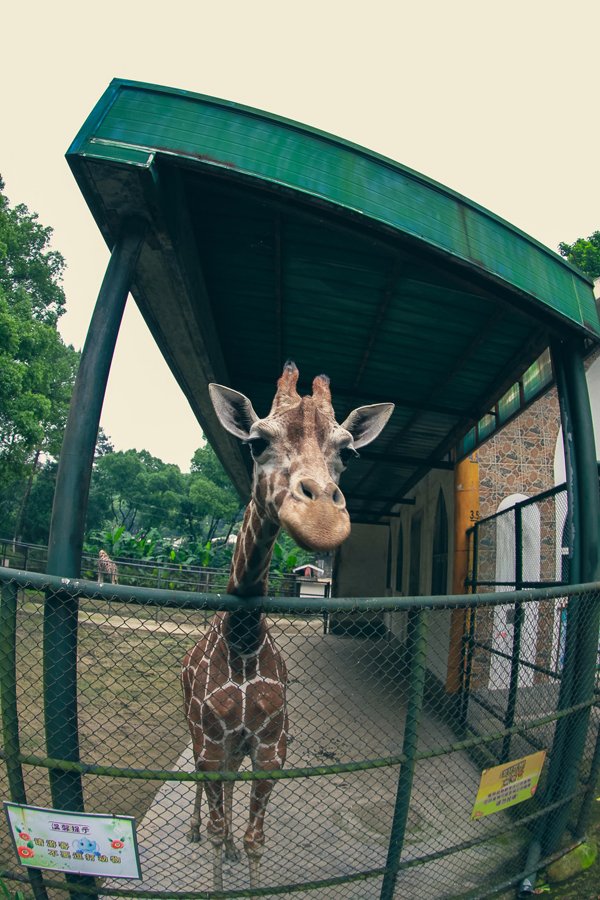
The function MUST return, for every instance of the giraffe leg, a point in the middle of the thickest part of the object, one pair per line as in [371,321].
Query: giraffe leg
[268,757]
[234,761]
[269,754]
[216,829]
[196,820]
[231,851]
[254,839]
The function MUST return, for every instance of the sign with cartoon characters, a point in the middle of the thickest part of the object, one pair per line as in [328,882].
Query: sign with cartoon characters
[85,843]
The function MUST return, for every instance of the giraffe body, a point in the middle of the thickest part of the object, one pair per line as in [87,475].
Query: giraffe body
[234,680]
[245,715]
[107,568]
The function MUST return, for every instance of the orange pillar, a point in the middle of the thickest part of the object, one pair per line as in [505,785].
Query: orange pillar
[466,513]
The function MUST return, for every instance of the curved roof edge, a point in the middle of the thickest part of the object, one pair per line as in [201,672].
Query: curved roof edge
[133,122]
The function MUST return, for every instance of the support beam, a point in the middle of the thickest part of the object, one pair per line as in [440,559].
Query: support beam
[583,616]
[68,523]
[77,452]
[466,513]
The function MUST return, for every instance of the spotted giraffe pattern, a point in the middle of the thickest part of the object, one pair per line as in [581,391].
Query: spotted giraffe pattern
[107,568]
[234,680]
[236,706]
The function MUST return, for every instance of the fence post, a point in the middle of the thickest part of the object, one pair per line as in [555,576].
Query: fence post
[68,521]
[468,647]
[585,811]
[417,649]
[519,615]
[9,710]
[583,616]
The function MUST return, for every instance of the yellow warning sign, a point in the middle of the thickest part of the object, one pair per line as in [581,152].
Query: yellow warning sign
[508,784]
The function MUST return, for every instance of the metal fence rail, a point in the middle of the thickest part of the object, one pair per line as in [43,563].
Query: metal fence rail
[138,572]
[376,796]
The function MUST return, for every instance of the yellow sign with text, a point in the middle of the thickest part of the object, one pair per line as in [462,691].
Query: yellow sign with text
[508,784]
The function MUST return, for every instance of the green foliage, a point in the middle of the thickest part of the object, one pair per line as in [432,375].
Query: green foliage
[8,895]
[135,490]
[30,272]
[141,507]
[119,542]
[36,519]
[211,499]
[584,253]
[287,555]
[37,370]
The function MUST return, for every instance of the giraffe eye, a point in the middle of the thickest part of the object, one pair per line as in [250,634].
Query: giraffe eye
[348,453]
[258,446]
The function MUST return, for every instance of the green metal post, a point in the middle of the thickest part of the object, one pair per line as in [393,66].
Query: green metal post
[417,648]
[551,827]
[583,616]
[468,648]
[9,710]
[68,520]
[77,452]
[511,705]
[591,792]
[475,561]
[568,673]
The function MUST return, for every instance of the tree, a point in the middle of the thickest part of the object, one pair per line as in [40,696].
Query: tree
[584,253]
[37,369]
[30,272]
[135,490]
[35,525]
[212,503]
[141,506]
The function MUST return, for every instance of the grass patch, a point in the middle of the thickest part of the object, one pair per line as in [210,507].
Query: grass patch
[130,709]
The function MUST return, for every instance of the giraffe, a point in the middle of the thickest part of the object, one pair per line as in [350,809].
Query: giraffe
[234,679]
[107,566]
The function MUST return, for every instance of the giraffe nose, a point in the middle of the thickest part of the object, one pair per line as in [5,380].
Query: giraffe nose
[314,513]
[308,489]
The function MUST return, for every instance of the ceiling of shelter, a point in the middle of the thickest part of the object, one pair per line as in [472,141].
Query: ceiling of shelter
[241,272]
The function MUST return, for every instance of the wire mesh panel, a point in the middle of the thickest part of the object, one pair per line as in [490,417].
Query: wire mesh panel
[524,546]
[381,768]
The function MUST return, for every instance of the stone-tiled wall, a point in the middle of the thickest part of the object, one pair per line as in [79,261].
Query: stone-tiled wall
[520,458]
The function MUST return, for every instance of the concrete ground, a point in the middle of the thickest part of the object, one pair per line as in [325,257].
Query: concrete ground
[347,699]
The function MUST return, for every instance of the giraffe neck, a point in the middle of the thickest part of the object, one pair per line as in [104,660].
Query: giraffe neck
[249,574]
[249,577]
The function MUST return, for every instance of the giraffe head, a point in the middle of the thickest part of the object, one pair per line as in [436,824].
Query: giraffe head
[299,451]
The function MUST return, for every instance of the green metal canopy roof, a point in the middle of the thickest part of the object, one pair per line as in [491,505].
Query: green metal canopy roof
[269,240]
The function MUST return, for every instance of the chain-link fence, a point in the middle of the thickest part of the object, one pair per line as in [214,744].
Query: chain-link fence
[384,756]
[139,572]
[524,546]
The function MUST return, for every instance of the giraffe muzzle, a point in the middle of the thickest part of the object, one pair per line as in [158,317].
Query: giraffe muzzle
[315,515]
[308,490]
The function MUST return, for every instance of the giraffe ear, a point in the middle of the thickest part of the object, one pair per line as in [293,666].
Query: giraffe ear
[234,410]
[366,422]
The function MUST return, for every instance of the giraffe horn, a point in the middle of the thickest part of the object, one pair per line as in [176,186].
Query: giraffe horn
[287,395]
[322,392]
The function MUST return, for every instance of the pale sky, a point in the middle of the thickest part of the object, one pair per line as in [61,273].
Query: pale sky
[496,100]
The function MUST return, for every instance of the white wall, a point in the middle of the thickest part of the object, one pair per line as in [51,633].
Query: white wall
[425,495]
